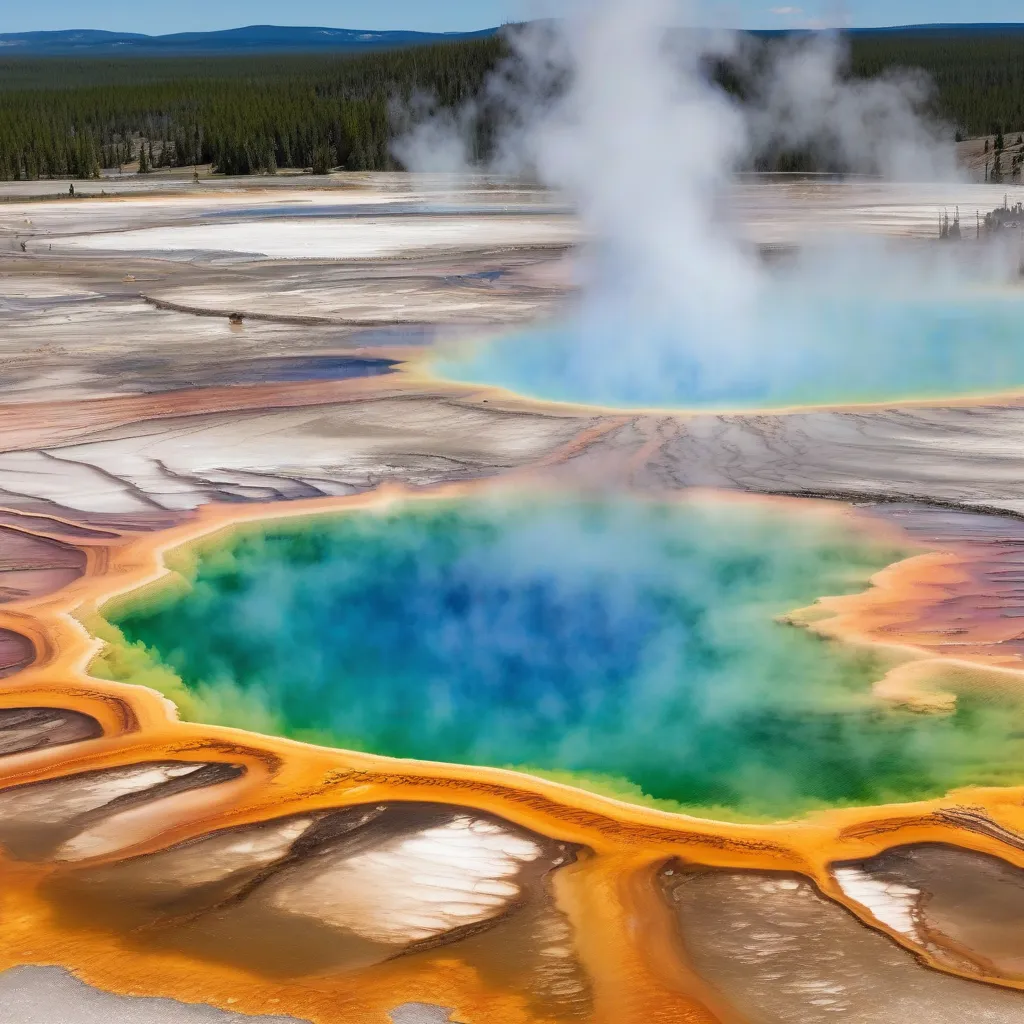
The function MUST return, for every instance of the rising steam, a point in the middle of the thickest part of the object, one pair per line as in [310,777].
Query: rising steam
[616,108]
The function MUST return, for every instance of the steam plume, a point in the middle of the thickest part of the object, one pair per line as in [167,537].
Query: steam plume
[615,107]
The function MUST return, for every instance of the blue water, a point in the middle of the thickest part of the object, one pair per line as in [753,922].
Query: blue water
[287,369]
[826,350]
[336,211]
[628,647]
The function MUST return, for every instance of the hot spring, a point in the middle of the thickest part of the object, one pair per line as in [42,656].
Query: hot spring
[628,647]
[806,349]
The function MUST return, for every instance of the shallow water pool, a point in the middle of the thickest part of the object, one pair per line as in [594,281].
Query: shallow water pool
[825,350]
[623,646]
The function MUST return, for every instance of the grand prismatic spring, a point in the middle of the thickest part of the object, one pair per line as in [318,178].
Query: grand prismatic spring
[461,600]
[879,349]
[630,648]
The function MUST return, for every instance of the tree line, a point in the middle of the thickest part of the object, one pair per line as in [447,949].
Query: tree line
[61,118]
[977,72]
[70,118]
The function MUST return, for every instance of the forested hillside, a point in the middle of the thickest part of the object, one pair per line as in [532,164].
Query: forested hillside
[978,72]
[64,117]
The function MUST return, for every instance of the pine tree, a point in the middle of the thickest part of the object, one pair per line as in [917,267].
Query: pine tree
[329,110]
[997,169]
[144,167]
[322,162]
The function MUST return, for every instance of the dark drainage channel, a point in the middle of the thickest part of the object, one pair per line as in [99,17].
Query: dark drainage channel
[300,368]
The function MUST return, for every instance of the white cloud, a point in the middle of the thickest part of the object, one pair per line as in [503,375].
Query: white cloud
[786,12]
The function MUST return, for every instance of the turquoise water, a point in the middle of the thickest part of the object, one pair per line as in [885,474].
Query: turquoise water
[791,350]
[627,647]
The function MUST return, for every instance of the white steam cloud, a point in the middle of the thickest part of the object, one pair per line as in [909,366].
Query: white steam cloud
[803,102]
[614,107]
[616,80]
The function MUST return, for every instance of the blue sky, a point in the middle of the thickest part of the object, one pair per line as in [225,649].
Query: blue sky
[455,15]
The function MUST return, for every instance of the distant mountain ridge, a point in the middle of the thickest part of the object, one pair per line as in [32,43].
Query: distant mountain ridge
[968,27]
[251,39]
[302,39]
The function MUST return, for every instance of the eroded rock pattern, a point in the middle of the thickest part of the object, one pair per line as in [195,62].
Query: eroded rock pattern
[92,813]
[962,907]
[50,995]
[778,951]
[15,652]
[31,566]
[345,890]
[26,729]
